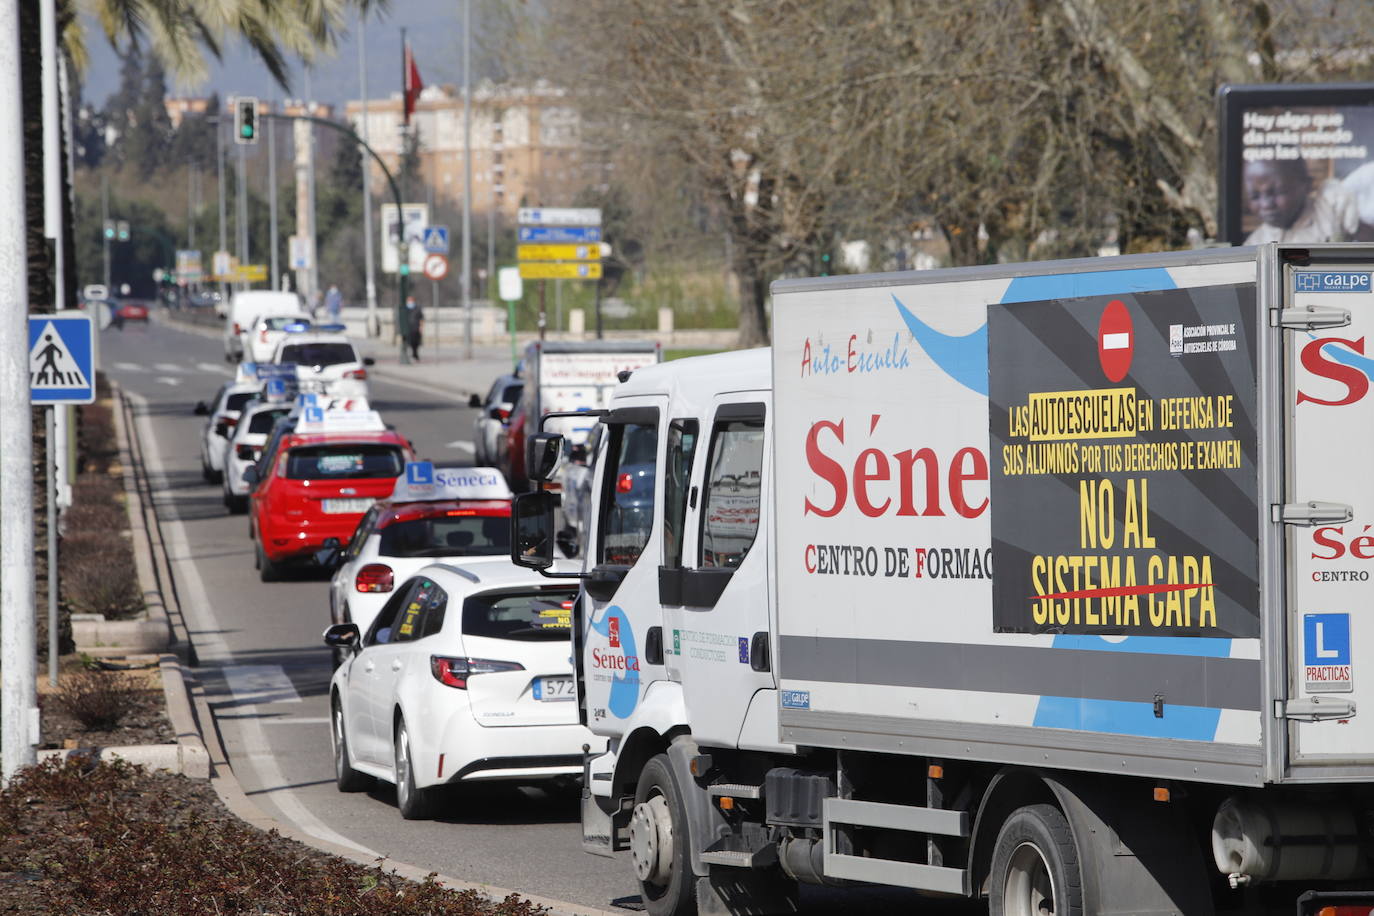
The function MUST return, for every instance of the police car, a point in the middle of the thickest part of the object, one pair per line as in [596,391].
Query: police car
[326,362]
[464,676]
[431,513]
[317,481]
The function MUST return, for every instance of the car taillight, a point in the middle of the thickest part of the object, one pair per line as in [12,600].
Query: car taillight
[454,672]
[1345,911]
[262,336]
[501,414]
[231,421]
[245,453]
[356,373]
[237,329]
[374,577]
[624,483]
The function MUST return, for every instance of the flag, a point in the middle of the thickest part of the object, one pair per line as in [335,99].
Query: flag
[413,85]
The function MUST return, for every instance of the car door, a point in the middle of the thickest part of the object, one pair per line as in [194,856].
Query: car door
[393,656]
[364,682]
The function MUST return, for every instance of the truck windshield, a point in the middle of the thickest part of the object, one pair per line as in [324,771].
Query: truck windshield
[628,494]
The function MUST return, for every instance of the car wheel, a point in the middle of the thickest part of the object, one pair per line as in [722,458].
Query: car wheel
[414,804]
[659,843]
[237,505]
[1035,866]
[267,570]
[347,778]
[207,473]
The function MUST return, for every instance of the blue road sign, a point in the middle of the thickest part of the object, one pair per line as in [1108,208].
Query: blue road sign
[571,234]
[1326,639]
[61,360]
[436,239]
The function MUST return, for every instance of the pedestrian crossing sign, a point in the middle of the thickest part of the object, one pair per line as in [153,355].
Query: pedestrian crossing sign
[61,360]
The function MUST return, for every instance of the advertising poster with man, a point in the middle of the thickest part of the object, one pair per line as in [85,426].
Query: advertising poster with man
[1297,163]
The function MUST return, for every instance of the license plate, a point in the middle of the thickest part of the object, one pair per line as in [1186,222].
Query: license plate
[341,506]
[552,689]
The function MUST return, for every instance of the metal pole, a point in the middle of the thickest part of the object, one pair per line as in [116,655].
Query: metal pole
[241,203]
[219,167]
[466,276]
[18,662]
[272,201]
[491,243]
[310,190]
[51,449]
[434,284]
[104,222]
[52,148]
[598,309]
[374,326]
[190,203]
[558,305]
[543,308]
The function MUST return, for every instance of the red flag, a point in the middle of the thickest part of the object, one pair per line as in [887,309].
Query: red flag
[413,84]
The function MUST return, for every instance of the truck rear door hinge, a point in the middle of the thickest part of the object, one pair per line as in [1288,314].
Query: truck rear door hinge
[1310,317]
[1314,709]
[1311,513]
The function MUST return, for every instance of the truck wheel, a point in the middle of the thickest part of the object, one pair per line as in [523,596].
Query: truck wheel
[659,843]
[347,778]
[415,804]
[1035,866]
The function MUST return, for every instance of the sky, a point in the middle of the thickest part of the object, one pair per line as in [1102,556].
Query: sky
[434,28]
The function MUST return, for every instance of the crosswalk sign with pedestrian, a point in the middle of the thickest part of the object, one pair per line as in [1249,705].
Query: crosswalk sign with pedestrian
[61,360]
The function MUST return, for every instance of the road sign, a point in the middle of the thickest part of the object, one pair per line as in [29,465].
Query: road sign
[1326,653]
[61,360]
[436,267]
[436,239]
[221,264]
[559,216]
[555,234]
[565,270]
[590,252]
[252,273]
[188,265]
[415,218]
[509,287]
[95,291]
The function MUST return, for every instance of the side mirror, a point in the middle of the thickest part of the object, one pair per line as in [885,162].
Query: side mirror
[342,636]
[250,475]
[532,539]
[369,361]
[542,453]
[475,402]
[329,555]
[202,409]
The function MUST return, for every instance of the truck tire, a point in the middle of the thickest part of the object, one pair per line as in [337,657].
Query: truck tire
[347,778]
[659,843]
[1035,866]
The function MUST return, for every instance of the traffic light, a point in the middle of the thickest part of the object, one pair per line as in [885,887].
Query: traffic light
[122,230]
[825,264]
[405,269]
[245,120]
[109,230]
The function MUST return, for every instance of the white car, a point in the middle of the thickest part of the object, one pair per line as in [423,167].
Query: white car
[326,363]
[259,340]
[493,413]
[465,676]
[248,306]
[222,416]
[466,513]
[245,445]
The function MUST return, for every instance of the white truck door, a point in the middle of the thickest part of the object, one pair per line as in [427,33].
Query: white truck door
[622,632]
[1330,441]
[716,632]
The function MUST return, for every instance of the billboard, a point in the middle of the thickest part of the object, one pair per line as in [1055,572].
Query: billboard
[1296,163]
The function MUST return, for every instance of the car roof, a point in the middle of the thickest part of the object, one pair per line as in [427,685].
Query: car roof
[311,337]
[476,574]
[384,437]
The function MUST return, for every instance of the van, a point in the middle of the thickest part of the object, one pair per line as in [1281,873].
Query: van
[247,307]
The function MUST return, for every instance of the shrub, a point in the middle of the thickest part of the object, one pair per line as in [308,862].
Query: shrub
[98,574]
[95,699]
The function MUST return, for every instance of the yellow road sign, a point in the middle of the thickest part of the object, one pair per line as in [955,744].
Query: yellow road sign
[252,273]
[591,252]
[568,270]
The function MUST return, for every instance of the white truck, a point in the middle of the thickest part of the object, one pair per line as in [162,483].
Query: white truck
[1044,583]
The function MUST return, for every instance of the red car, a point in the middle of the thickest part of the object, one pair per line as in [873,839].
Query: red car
[132,311]
[318,485]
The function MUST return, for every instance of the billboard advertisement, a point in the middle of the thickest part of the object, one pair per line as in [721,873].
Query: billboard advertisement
[1296,163]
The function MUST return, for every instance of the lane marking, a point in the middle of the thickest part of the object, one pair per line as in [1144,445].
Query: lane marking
[168,380]
[129,367]
[214,368]
[260,684]
[463,446]
[213,650]
[168,367]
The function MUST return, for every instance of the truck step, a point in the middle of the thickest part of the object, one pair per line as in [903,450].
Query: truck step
[734,790]
[761,858]
[895,817]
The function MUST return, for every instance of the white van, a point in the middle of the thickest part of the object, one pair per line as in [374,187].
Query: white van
[246,307]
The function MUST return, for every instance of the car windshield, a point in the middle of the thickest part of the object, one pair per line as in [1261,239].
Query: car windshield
[262,420]
[318,354]
[511,394]
[544,615]
[447,534]
[345,460]
[277,322]
[237,400]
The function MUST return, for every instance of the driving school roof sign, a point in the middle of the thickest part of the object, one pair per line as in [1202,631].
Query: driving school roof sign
[422,481]
[61,360]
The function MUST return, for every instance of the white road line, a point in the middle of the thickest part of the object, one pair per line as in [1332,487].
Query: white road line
[463,446]
[214,368]
[168,367]
[168,380]
[297,720]
[129,367]
[211,648]
[260,684]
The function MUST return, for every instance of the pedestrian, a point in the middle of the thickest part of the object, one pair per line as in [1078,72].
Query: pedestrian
[415,326]
[333,302]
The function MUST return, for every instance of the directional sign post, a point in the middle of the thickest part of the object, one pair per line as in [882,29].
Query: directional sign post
[590,252]
[560,243]
[560,270]
[557,234]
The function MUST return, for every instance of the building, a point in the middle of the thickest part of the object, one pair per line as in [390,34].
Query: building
[180,108]
[527,146]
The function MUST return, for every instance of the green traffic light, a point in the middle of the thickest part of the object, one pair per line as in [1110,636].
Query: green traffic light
[405,270]
[247,132]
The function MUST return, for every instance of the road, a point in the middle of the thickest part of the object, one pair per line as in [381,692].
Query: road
[267,673]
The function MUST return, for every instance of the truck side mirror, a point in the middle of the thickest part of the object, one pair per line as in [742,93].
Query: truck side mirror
[541,459]
[532,537]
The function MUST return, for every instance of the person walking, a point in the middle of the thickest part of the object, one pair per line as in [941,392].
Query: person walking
[415,326]
[333,302]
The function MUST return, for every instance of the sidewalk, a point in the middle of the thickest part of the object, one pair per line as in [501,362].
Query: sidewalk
[447,370]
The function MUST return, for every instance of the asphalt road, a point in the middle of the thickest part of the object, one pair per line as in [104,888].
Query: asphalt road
[267,673]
